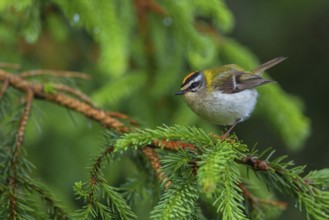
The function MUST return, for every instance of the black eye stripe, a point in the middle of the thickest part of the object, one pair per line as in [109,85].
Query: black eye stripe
[194,85]
[190,78]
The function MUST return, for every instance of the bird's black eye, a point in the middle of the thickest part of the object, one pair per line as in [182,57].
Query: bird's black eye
[194,85]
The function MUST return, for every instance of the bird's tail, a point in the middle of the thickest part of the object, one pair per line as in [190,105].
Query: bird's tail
[260,69]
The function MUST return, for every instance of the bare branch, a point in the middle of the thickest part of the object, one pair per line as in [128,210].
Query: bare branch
[153,157]
[4,88]
[255,201]
[90,111]
[55,73]
[75,92]
[17,151]
[10,65]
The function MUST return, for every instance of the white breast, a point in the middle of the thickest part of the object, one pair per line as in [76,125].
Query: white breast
[221,108]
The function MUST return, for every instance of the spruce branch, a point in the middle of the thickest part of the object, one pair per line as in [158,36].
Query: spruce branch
[281,175]
[256,201]
[12,178]
[178,201]
[96,189]
[190,135]
[54,73]
[23,121]
[75,92]
[173,145]
[38,91]
[143,7]
[153,157]
[34,90]
[4,88]
[54,209]
[198,163]
[10,65]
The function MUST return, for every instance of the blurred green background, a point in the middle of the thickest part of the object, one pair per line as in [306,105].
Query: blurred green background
[137,56]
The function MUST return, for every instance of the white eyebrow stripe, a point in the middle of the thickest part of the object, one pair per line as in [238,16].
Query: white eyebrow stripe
[196,79]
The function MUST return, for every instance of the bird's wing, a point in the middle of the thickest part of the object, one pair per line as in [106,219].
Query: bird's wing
[237,81]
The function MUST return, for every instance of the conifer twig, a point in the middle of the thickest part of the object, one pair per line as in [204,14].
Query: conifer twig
[253,200]
[46,196]
[55,73]
[94,113]
[73,91]
[255,164]
[153,157]
[24,118]
[4,88]
[17,151]
[94,174]
[173,145]
[10,65]
[143,6]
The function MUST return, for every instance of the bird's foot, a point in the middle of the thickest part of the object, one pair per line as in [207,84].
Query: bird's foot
[223,137]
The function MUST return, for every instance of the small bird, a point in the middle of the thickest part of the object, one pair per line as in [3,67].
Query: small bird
[224,95]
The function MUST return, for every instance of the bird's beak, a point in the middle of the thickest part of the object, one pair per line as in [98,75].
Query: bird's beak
[180,92]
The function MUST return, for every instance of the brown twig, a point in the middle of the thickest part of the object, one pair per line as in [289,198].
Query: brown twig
[255,164]
[75,92]
[88,110]
[17,151]
[55,73]
[153,157]
[94,113]
[4,88]
[10,65]
[254,201]
[24,118]
[176,145]
[173,145]
[95,172]
[144,6]
[120,115]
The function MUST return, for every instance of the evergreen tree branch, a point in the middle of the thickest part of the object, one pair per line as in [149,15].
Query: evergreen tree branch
[94,191]
[282,176]
[10,65]
[179,200]
[254,163]
[202,165]
[120,115]
[38,91]
[55,73]
[96,167]
[12,178]
[23,121]
[173,145]
[4,88]
[54,209]
[64,88]
[143,7]
[255,201]
[153,157]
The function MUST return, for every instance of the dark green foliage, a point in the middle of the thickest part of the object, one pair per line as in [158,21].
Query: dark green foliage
[179,200]
[218,175]
[310,191]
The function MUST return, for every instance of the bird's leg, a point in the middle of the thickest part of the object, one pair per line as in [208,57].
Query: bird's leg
[223,137]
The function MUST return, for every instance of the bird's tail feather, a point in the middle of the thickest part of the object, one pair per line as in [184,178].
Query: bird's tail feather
[260,69]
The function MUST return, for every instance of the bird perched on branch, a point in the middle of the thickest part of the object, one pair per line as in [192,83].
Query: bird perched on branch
[224,95]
